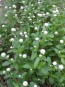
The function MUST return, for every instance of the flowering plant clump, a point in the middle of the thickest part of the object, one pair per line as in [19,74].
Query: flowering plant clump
[32,44]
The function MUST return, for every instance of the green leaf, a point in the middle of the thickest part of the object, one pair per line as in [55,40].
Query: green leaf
[63,60]
[6,63]
[51,80]
[62,78]
[1,73]
[32,84]
[34,55]
[7,76]
[27,66]
[1,49]
[36,62]
[49,60]
[44,71]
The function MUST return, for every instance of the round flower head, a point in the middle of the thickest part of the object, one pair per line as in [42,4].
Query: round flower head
[61,67]
[45,32]
[36,28]
[55,15]
[25,83]
[46,24]
[56,32]
[15,15]
[35,86]
[40,15]
[0,36]
[54,63]
[6,7]
[21,33]
[3,26]
[37,38]
[6,15]
[20,40]
[42,51]
[13,29]
[61,41]
[12,59]
[11,40]
[3,54]
[21,7]
[4,72]
[14,6]
[26,36]
[25,32]
[20,55]
[24,55]
[8,69]
[47,13]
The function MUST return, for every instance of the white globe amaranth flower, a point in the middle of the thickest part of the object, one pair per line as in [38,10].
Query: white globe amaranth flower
[47,13]
[21,7]
[54,15]
[57,11]
[61,41]
[40,55]
[0,36]
[45,32]
[3,26]
[13,29]
[35,86]
[56,32]
[36,28]
[6,7]
[42,51]
[25,33]
[20,40]
[3,54]
[34,46]
[21,22]
[12,59]
[40,15]
[19,76]
[15,15]
[6,15]
[26,36]
[7,56]
[30,19]
[21,33]
[30,69]
[46,24]
[33,16]
[10,7]
[61,67]
[4,71]
[20,55]
[14,6]
[54,11]
[8,69]
[54,5]
[54,63]
[14,10]
[11,47]
[24,55]
[11,40]
[23,1]
[43,14]
[25,83]
[37,38]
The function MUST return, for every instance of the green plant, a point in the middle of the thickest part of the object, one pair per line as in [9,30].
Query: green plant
[32,44]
